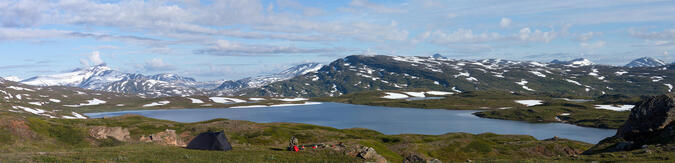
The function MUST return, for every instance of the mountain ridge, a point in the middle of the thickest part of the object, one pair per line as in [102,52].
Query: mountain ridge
[577,77]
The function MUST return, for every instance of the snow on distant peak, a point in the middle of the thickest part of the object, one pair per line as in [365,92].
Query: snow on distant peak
[72,78]
[12,78]
[646,62]
[302,69]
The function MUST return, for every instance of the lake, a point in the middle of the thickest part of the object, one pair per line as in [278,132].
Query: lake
[387,120]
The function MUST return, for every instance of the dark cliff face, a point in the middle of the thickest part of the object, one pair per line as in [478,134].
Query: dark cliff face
[651,122]
[651,117]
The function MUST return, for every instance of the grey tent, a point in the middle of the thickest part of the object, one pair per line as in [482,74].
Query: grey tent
[210,141]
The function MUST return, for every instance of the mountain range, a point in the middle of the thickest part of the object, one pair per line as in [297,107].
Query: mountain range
[101,77]
[362,72]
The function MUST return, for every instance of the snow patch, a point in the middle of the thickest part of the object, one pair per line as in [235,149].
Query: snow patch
[196,101]
[55,100]
[75,116]
[415,94]
[20,88]
[574,82]
[615,107]
[523,83]
[439,93]
[529,102]
[391,95]
[226,100]
[89,103]
[160,103]
[538,74]
[292,99]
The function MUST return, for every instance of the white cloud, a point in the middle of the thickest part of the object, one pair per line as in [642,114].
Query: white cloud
[526,34]
[30,33]
[157,64]
[594,45]
[588,36]
[229,48]
[666,34]
[375,7]
[95,58]
[505,22]
[459,36]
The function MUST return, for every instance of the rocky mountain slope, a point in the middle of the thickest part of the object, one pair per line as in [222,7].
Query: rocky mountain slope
[259,81]
[651,122]
[577,77]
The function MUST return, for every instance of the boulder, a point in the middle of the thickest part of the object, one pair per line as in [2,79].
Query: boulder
[167,137]
[650,122]
[103,132]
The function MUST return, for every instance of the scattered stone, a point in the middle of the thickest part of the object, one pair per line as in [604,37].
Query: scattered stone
[418,159]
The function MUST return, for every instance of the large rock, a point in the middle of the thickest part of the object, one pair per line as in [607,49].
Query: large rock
[650,122]
[370,153]
[103,132]
[167,137]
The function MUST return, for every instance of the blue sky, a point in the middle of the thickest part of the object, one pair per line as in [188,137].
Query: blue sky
[231,39]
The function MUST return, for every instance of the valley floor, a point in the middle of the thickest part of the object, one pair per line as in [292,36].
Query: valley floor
[35,139]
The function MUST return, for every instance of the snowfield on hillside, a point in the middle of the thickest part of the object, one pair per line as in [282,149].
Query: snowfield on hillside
[292,99]
[225,100]
[529,102]
[160,103]
[91,102]
[615,107]
[439,93]
[391,95]
[196,101]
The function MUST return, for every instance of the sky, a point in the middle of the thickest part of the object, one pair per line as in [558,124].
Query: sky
[232,39]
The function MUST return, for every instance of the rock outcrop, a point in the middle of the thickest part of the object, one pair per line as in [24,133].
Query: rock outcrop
[167,137]
[651,122]
[103,132]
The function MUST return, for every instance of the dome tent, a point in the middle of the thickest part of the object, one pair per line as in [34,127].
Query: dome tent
[210,141]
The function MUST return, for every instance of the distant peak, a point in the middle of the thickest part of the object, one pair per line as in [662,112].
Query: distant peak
[438,56]
[646,62]
[12,78]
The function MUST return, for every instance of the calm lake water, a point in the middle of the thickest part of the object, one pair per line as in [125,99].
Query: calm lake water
[387,120]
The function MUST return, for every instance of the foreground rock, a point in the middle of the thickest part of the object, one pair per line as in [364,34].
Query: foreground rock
[167,137]
[650,123]
[102,132]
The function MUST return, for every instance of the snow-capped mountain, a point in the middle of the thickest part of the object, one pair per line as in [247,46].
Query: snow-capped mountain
[74,78]
[102,77]
[255,82]
[579,62]
[576,77]
[646,62]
